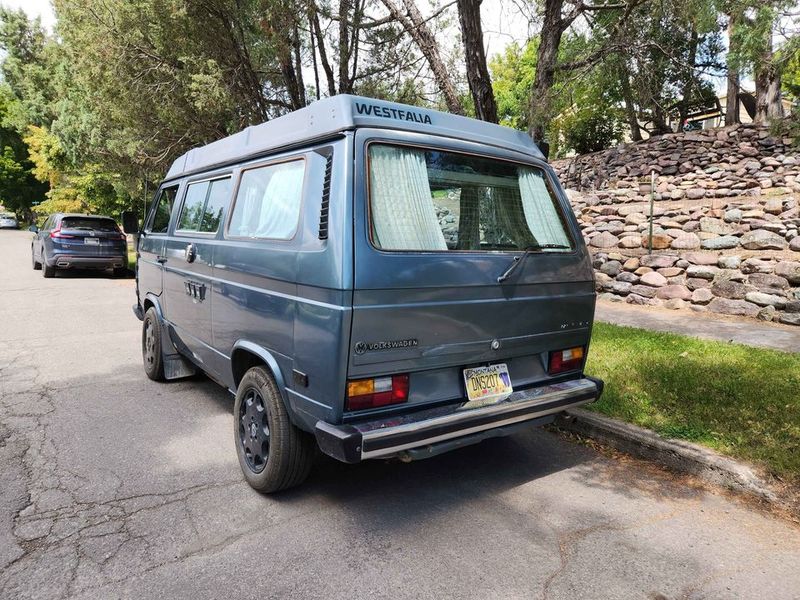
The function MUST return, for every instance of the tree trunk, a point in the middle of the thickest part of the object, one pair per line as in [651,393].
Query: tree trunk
[323,53]
[298,65]
[480,83]
[768,92]
[547,55]
[630,107]
[688,80]
[417,28]
[660,126]
[312,37]
[345,85]
[732,93]
[768,85]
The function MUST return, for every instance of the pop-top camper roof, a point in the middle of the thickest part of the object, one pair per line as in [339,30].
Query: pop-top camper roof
[325,118]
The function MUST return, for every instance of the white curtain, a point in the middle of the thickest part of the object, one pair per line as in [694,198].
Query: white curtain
[280,205]
[540,210]
[403,215]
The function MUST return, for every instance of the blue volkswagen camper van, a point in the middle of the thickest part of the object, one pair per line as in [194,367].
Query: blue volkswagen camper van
[368,279]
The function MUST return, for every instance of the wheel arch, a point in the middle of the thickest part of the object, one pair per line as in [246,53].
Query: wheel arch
[151,300]
[246,355]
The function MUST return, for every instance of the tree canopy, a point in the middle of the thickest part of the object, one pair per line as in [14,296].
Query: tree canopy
[93,112]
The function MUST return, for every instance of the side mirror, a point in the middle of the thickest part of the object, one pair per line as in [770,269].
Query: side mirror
[130,222]
[33,228]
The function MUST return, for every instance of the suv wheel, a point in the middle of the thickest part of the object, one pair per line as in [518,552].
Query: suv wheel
[273,454]
[47,271]
[151,346]
[120,272]
[36,265]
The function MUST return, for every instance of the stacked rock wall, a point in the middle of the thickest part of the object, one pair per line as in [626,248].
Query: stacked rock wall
[726,222]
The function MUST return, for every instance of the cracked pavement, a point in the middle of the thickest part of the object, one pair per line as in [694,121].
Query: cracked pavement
[113,486]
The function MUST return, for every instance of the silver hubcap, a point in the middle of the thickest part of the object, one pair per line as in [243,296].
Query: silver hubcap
[149,343]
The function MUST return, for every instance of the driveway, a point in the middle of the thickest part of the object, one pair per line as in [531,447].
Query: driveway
[113,486]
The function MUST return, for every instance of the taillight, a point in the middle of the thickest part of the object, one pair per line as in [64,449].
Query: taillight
[380,391]
[562,361]
[56,234]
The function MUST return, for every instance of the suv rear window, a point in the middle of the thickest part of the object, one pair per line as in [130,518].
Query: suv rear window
[88,223]
[432,200]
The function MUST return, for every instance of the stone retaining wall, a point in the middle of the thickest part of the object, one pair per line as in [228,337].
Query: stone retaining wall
[726,222]
[716,163]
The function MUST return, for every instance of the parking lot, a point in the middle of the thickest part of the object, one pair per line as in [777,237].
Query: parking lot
[113,486]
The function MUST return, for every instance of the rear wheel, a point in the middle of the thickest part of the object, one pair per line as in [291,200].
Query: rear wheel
[151,346]
[47,271]
[120,272]
[34,263]
[273,454]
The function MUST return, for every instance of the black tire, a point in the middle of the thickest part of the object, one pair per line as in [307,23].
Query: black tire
[152,357]
[47,271]
[274,454]
[37,266]
[121,272]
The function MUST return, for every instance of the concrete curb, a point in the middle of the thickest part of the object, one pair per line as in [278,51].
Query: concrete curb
[677,455]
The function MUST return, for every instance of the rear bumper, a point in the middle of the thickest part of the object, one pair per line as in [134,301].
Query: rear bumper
[66,261]
[427,428]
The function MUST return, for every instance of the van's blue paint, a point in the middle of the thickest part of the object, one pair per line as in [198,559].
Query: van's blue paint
[302,304]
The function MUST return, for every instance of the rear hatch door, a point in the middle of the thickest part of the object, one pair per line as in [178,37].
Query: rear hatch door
[435,312]
[90,236]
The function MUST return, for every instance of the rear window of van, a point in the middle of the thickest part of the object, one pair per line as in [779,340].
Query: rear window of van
[433,200]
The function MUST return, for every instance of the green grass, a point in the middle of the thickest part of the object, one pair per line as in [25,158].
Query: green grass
[739,400]
[131,259]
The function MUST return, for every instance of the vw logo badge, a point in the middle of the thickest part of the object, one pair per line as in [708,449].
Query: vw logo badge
[361,347]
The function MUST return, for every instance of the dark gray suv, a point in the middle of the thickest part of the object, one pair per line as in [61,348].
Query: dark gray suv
[68,241]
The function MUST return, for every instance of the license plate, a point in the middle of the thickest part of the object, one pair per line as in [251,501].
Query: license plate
[486,385]
[91,241]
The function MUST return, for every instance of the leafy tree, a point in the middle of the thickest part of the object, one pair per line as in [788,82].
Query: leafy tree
[753,51]
[513,72]
[19,188]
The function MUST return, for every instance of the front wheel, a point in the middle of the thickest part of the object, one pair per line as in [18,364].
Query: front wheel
[273,454]
[151,346]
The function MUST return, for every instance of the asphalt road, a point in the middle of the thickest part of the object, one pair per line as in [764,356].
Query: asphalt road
[112,486]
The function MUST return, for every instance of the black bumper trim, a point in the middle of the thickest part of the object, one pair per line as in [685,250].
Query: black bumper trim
[469,423]
[377,439]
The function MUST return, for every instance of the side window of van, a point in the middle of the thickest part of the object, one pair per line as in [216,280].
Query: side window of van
[160,219]
[203,206]
[268,201]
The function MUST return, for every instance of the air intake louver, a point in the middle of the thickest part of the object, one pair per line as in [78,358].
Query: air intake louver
[326,198]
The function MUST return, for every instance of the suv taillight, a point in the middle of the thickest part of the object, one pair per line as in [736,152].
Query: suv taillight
[562,361]
[56,233]
[380,391]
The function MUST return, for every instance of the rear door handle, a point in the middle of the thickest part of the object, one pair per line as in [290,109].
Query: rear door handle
[161,259]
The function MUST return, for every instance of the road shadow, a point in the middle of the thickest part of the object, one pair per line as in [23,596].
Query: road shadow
[417,490]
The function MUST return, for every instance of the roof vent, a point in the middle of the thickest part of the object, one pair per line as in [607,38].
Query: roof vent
[326,198]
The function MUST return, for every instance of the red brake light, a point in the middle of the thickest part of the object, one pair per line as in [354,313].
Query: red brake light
[377,392]
[562,361]
[56,233]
